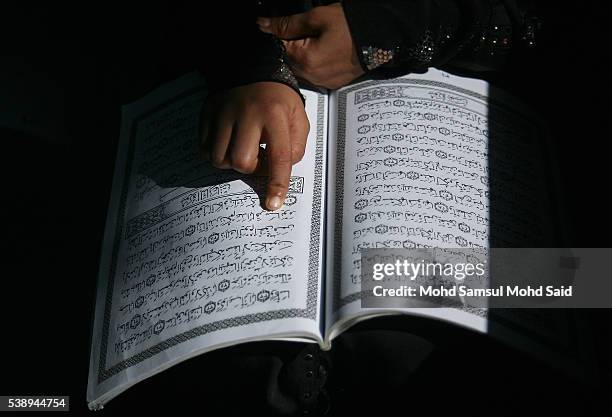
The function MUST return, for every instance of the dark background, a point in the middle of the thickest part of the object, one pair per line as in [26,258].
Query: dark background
[64,73]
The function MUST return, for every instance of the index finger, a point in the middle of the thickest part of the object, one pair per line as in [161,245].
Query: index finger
[279,163]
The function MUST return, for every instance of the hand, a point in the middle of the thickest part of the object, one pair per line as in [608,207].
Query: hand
[236,121]
[319,45]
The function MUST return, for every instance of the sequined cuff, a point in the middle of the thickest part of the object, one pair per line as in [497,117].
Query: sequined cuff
[373,57]
[392,35]
[419,54]
[375,42]
[283,73]
[280,72]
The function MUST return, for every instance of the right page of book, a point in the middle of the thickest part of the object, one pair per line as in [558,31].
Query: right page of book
[428,161]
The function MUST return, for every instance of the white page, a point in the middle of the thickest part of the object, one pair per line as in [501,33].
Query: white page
[191,262]
[411,160]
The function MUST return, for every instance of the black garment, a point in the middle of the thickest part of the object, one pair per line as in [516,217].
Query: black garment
[391,37]
[225,43]
[412,35]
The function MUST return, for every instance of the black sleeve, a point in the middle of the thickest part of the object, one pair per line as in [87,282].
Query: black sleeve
[225,44]
[412,35]
[260,57]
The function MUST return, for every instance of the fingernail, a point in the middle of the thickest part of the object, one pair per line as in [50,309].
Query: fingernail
[274,203]
[264,22]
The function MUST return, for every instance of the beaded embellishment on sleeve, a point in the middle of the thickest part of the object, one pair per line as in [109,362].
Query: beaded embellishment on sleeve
[284,75]
[283,72]
[375,57]
[422,53]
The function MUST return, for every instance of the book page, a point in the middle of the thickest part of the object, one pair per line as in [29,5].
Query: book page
[191,261]
[422,161]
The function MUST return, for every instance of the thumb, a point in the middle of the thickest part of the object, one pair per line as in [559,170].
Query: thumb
[288,27]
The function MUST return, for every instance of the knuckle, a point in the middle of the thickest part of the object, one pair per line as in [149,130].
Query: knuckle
[276,109]
[243,164]
[297,154]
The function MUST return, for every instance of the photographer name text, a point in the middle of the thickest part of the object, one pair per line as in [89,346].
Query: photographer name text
[465,291]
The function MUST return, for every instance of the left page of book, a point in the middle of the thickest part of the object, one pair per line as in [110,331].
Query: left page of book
[190,260]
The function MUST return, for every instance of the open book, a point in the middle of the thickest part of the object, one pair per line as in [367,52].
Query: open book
[191,262]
